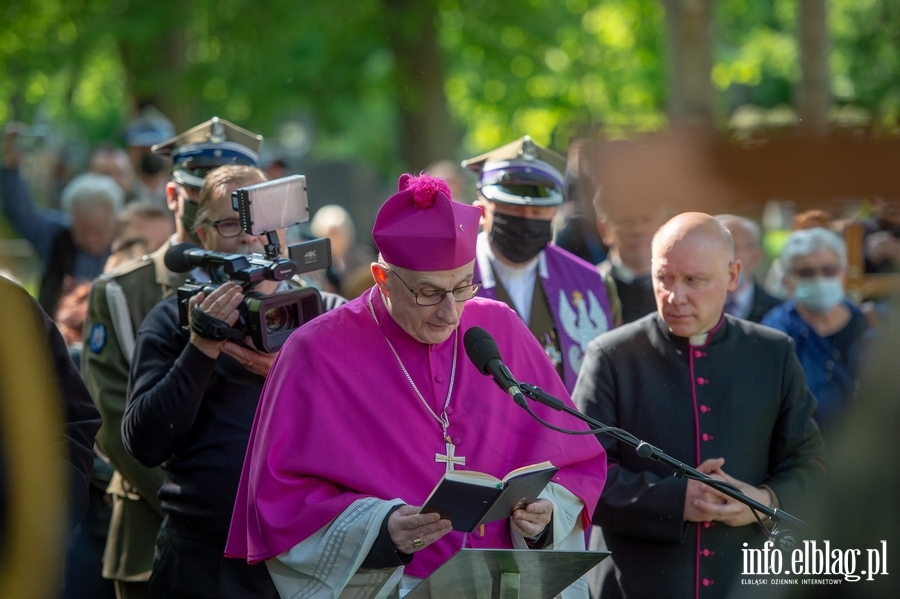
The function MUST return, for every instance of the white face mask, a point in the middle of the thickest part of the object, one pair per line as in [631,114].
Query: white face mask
[820,294]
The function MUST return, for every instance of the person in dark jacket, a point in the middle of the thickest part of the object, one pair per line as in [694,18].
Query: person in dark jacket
[190,407]
[72,244]
[627,228]
[721,394]
[830,334]
[749,301]
[118,303]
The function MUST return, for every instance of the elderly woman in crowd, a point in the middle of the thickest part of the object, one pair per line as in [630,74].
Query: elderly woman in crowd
[829,332]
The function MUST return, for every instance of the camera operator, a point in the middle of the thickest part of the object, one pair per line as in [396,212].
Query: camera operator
[118,304]
[191,403]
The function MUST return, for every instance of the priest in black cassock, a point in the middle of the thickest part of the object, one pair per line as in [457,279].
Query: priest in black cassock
[719,393]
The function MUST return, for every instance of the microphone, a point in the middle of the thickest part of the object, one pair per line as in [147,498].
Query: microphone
[185,256]
[175,258]
[484,354]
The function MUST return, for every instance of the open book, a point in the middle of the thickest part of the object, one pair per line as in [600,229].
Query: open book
[469,499]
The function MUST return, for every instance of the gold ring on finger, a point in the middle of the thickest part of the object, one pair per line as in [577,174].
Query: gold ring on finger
[418,543]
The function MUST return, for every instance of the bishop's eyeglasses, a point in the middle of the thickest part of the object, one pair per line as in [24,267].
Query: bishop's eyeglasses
[432,297]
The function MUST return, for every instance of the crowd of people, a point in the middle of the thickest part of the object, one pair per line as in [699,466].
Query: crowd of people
[225,470]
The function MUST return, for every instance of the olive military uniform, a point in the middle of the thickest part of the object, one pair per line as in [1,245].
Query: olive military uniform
[118,304]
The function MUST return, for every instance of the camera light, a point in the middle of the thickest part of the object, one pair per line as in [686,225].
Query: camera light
[272,205]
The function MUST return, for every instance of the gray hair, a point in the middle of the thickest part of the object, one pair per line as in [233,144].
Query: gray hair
[333,216]
[91,189]
[809,241]
[731,220]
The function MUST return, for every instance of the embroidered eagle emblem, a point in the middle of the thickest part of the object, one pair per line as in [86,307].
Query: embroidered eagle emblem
[581,321]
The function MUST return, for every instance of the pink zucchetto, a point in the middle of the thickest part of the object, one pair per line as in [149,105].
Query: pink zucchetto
[421,228]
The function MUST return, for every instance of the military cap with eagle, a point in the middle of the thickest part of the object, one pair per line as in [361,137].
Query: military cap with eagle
[521,173]
[207,146]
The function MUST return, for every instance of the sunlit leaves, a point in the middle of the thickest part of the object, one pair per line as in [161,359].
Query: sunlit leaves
[589,62]
[756,55]
[98,91]
[865,61]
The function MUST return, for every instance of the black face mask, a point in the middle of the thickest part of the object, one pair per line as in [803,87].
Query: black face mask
[151,164]
[189,218]
[519,239]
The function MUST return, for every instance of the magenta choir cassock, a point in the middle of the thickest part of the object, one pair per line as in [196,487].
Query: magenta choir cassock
[338,421]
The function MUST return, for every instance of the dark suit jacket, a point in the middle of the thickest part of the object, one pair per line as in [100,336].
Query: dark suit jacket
[636,297]
[742,397]
[762,303]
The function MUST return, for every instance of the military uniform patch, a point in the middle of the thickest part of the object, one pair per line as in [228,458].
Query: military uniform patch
[98,337]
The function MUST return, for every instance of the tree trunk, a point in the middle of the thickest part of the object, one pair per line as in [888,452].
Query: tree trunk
[426,131]
[154,56]
[691,97]
[813,93]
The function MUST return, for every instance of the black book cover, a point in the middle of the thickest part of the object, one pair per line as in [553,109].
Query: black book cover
[469,499]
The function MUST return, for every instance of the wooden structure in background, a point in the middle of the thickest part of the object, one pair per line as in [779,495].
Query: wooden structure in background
[708,174]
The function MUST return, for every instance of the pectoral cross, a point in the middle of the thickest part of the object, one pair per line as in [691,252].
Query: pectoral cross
[449,458]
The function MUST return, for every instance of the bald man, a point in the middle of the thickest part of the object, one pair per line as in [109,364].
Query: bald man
[719,393]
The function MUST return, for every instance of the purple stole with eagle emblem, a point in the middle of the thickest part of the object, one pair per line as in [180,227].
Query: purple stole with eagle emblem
[578,303]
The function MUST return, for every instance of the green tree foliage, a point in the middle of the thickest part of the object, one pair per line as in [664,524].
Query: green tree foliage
[757,56]
[535,66]
[865,62]
[55,66]
[508,72]
[756,53]
[92,63]
[546,64]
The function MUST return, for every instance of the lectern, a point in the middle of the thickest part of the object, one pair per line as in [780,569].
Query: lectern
[506,574]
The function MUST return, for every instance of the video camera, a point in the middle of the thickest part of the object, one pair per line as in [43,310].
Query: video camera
[268,319]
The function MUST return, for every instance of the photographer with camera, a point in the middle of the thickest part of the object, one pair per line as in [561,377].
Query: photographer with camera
[190,407]
[118,304]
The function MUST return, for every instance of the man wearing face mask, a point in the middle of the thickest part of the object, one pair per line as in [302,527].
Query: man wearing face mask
[830,333]
[118,303]
[564,300]
[151,128]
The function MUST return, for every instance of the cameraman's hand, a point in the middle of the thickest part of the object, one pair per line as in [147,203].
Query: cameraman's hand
[255,361]
[223,304]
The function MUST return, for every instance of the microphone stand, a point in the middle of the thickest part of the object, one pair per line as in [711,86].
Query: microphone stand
[645,450]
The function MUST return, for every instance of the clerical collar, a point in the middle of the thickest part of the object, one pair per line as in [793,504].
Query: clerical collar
[702,339]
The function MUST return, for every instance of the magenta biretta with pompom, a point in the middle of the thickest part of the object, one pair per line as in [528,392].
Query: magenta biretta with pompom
[421,228]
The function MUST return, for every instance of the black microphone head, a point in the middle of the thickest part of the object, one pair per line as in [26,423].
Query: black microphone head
[481,348]
[175,259]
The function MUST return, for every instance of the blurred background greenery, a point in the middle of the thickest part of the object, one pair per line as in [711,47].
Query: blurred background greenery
[398,84]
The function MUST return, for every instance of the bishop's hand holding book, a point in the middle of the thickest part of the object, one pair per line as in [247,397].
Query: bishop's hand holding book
[469,499]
